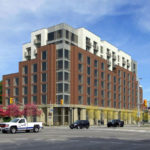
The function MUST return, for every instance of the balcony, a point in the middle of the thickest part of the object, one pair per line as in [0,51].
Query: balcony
[123,62]
[27,55]
[114,57]
[108,54]
[108,62]
[128,64]
[37,41]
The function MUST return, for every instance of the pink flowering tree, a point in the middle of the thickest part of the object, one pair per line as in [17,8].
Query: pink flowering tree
[13,111]
[31,110]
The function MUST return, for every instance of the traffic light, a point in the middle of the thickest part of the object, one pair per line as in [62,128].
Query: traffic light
[11,100]
[61,101]
[145,103]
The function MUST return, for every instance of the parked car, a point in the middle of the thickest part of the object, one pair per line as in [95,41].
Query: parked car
[115,123]
[80,124]
[20,124]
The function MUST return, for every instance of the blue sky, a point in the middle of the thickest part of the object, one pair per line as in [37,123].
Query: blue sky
[124,23]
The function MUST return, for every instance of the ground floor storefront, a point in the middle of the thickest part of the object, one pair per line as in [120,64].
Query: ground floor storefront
[56,115]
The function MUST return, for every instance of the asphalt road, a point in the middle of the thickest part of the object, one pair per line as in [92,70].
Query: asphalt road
[62,138]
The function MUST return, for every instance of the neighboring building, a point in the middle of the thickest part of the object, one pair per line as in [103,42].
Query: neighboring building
[95,80]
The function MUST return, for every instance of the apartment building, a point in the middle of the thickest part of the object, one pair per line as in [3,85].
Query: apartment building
[95,80]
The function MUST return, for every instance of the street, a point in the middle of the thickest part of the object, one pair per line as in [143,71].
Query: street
[63,138]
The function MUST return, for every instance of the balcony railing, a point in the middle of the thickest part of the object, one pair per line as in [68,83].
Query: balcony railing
[114,57]
[108,54]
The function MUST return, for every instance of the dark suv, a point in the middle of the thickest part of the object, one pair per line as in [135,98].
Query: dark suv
[115,123]
[80,124]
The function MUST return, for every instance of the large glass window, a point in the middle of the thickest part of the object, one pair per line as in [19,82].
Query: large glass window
[51,36]
[102,75]
[88,60]
[88,80]
[34,67]
[88,90]
[35,78]
[59,76]
[95,73]
[95,92]
[25,70]
[66,54]
[25,99]
[80,89]
[95,101]
[95,82]
[44,55]
[80,67]
[60,53]
[80,99]
[25,90]
[88,101]
[80,78]
[80,57]
[60,88]
[102,66]
[16,81]
[44,99]
[59,64]
[66,87]
[34,89]
[34,99]
[44,66]
[88,70]
[66,65]
[44,88]
[25,80]
[66,76]
[95,63]
[44,77]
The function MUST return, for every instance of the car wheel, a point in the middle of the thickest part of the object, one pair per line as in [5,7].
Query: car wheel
[80,127]
[36,129]
[13,130]
[87,127]
[71,127]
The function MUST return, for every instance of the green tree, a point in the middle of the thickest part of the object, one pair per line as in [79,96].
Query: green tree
[0,92]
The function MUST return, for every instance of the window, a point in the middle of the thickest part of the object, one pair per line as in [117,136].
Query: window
[44,54]
[34,99]
[44,88]
[66,65]
[88,80]
[51,36]
[95,92]
[95,63]
[59,34]
[95,101]
[102,49]
[66,99]
[114,87]
[88,60]
[25,80]
[80,57]
[95,73]
[67,34]
[102,93]
[16,81]
[34,67]
[66,54]
[44,77]
[16,91]
[60,53]
[109,77]
[34,89]
[34,78]
[102,84]
[59,76]
[72,37]
[95,82]
[25,100]
[103,103]
[59,65]
[114,79]
[25,90]
[88,90]
[80,67]
[66,87]
[25,70]
[102,66]
[60,88]
[88,70]
[80,89]
[102,75]
[80,78]
[80,99]
[44,99]
[44,66]
[88,101]
[66,76]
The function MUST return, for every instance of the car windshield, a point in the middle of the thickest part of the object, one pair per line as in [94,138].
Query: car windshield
[14,120]
[77,121]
